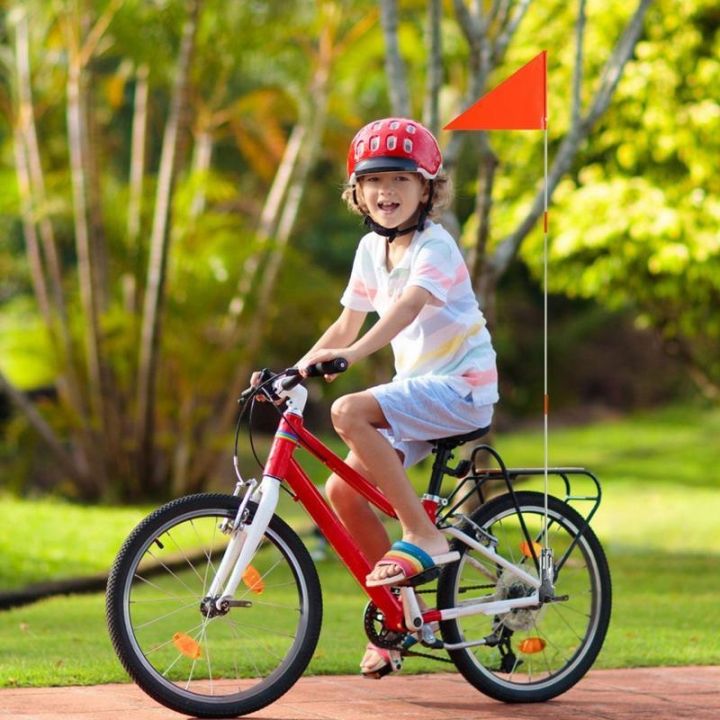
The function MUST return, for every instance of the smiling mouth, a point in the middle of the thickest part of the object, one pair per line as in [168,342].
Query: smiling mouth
[388,207]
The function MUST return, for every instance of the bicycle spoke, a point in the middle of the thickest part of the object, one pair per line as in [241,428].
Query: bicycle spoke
[159,589]
[209,566]
[183,651]
[245,633]
[170,572]
[189,563]
[533,653]
[167,615]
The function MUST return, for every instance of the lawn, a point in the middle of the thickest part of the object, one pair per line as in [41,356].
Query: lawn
[658,522]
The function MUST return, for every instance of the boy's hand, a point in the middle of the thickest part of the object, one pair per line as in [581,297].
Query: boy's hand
[257,378]
[323,355]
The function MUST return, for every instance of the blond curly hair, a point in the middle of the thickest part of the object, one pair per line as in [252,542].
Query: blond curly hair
[441,199]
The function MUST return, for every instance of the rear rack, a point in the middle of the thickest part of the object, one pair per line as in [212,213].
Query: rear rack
[476,481]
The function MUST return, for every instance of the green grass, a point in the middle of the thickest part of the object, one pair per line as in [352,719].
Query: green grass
[50,539]
[658,522]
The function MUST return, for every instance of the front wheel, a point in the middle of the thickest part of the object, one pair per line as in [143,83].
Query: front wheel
[179,653]
[532,654]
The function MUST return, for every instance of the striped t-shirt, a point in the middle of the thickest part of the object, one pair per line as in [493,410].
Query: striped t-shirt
[449,336]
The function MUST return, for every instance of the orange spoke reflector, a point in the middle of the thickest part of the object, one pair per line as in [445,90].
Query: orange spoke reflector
[252,578]
[531,645]
[187,646]
[527,552]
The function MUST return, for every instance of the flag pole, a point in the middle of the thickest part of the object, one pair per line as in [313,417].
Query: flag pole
[516,104]
[546,394]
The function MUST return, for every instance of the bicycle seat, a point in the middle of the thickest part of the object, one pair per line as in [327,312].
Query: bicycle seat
[454,441]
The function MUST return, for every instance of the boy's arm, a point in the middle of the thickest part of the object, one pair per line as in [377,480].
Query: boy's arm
[401,314]
[380,334]
[340,334]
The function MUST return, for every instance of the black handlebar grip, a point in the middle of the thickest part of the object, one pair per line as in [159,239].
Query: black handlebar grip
[328,367]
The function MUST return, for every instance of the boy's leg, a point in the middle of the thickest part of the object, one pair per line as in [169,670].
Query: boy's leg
[367,530]
[357,418]
[357,515]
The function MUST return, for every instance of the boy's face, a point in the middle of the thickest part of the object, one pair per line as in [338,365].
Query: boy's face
[392,199]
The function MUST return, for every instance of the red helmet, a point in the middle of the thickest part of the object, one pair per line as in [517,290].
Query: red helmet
[394,144]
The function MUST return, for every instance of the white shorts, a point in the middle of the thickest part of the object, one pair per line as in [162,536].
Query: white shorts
[426,408]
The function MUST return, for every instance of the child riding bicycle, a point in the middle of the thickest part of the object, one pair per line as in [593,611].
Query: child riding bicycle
[409,270]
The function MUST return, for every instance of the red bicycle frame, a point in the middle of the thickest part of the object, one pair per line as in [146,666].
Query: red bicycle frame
[282,465]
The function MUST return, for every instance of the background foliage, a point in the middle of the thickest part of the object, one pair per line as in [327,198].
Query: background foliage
[246,262]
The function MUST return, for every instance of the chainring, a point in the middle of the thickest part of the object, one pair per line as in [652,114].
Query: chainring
[380,636]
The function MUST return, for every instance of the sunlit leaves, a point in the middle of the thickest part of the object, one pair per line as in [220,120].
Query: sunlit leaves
[639,225]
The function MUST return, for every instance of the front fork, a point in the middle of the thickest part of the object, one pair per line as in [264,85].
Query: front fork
[244,542]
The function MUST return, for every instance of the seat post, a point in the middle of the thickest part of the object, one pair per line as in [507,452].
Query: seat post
[443,448]
[442,455]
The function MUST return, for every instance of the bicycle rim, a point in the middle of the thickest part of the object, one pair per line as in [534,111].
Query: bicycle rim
[533,654]
[211,666]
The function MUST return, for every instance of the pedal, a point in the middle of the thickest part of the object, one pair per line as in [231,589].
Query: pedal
[424,577]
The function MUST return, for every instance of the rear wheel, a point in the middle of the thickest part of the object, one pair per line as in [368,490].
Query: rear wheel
[528,655]
[225,665]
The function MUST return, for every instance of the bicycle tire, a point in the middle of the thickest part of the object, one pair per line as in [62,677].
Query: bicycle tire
[223,666]
[530,655]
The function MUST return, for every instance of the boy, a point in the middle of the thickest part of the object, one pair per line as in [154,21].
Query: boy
[409,270]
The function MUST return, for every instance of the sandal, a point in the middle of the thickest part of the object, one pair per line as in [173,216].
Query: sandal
[387,661]
[416,566]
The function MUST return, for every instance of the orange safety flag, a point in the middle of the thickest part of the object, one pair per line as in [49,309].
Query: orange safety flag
[518,103]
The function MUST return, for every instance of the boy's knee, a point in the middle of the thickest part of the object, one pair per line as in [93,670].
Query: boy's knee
[343,413]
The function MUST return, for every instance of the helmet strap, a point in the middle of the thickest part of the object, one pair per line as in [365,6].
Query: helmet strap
[392,233]
[389,233]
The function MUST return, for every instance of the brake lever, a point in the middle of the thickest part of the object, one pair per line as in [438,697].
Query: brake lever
[264,387]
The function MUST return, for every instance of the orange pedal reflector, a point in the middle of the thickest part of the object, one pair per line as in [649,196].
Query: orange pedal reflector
[531,645]
[527,552]
[252,578]
[187,646]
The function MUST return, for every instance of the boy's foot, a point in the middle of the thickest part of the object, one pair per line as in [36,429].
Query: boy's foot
[378,662]
[406,562]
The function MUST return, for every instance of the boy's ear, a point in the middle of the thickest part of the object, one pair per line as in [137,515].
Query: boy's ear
[358,197]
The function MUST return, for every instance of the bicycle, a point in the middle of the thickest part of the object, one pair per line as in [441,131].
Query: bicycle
[214,605]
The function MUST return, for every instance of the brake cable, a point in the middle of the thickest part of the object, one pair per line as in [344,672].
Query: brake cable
[249,406]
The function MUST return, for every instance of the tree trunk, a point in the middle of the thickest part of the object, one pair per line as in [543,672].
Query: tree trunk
[486,51]
[483,208]
[394,65]
[290,181]
[433,84]
[47,275]
[96,224]
[32,245]
[159,249]
[201,162]
[77,130]
[580,128]
[135,183]
[268,223]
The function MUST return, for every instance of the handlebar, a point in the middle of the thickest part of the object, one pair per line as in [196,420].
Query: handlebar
[292,377]
[327,367]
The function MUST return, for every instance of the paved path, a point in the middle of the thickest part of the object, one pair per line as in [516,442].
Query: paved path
[645,694]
